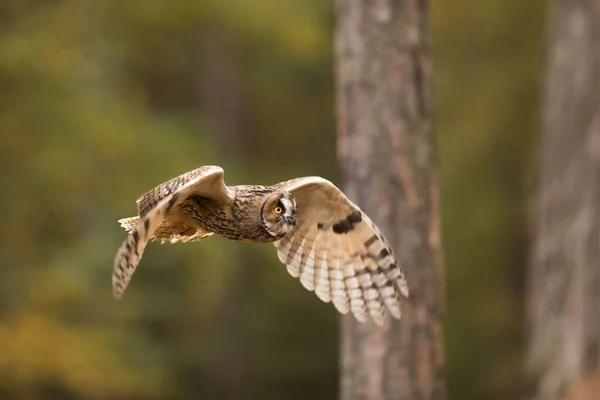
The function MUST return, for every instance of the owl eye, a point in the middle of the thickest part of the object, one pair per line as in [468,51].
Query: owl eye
[278,210]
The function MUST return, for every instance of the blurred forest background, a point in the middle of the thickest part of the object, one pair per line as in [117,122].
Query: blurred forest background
[102,100]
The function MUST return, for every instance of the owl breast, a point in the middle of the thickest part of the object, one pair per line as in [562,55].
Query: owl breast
[239,221]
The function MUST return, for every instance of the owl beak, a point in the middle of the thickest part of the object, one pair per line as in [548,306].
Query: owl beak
[291,219]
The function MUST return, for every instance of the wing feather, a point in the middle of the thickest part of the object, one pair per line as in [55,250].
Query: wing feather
[307,276]
[321,277]
[283,252]
[353,286]
[165,233]
[206,181]
[339,295]
[338,252]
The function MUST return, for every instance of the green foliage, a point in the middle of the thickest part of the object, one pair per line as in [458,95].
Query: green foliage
[102,100]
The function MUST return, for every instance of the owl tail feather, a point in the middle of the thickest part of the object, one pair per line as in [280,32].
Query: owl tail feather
[129,223]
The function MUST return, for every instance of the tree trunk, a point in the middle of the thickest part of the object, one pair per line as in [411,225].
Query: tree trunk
[388,158]
[564,276]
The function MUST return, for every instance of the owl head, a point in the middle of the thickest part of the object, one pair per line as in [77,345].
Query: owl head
[279,213]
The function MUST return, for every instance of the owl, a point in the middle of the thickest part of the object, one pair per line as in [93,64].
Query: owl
[321,236]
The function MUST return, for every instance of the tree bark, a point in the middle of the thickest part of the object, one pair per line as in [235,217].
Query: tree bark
[387,152]
[564,277]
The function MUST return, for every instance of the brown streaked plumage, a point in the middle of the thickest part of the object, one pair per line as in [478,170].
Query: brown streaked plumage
[321,236]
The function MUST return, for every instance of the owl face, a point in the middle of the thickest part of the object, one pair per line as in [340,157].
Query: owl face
[279,213]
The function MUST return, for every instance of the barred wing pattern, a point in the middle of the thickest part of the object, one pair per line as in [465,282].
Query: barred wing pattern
[165,233]
[340,254]
[154,206]
[210,175]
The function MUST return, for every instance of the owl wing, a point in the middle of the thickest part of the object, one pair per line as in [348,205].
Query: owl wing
[338,252]
[155,205]
[165,233]
[208,180]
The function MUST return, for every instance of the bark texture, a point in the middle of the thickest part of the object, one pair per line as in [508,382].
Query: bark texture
[564,276]
[386,147]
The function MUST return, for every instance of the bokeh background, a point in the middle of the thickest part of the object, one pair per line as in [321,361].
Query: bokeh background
[102,100]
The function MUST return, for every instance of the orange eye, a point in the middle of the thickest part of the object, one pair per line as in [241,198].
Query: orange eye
[278,210]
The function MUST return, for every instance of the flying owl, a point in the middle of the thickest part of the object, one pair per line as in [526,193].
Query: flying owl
[321,236]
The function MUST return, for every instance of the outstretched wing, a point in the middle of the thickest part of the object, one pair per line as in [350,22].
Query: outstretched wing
[205,181]
[338,252]
[208,180]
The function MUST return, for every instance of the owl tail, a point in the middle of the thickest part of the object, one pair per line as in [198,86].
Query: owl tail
[129,223]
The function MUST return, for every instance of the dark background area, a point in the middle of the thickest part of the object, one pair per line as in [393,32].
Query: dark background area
[102,100]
